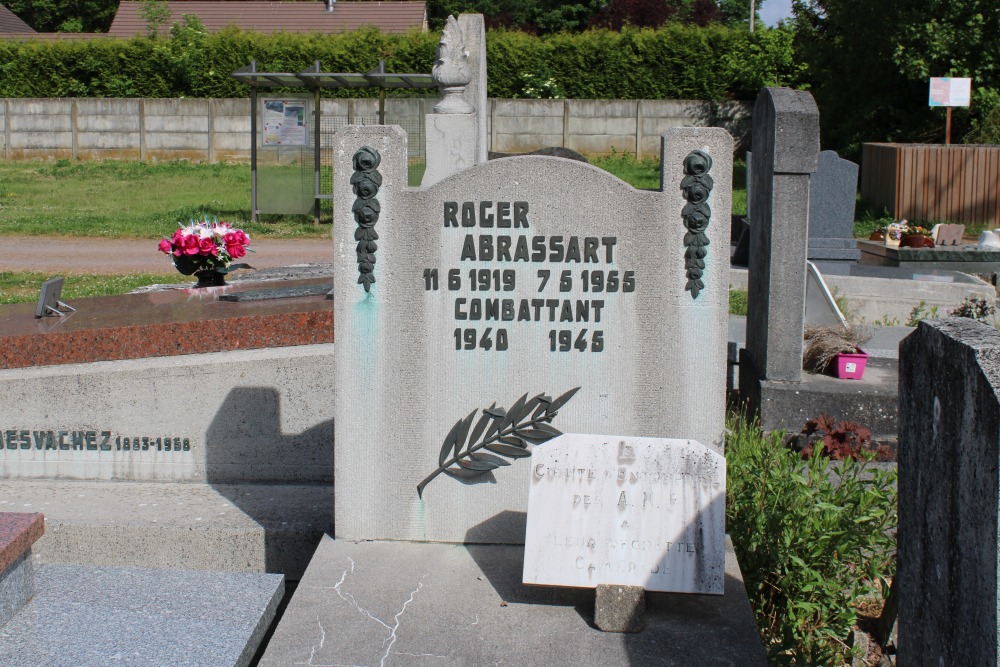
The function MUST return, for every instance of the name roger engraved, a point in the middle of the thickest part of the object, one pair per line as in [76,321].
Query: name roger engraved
[534,252]
[85,440]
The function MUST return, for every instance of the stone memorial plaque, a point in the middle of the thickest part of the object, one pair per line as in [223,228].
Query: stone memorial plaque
[469,311]
[949,234]
[629,511]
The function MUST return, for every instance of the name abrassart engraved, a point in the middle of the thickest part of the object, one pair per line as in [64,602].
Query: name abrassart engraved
[504,432]
[87,440]
[365,182]
[581,264]
[696,186]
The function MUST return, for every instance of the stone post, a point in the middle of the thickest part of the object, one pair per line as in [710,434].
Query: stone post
[454,136]
[785,148]
[949,488]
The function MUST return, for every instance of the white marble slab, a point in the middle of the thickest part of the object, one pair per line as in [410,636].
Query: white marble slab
[626,510]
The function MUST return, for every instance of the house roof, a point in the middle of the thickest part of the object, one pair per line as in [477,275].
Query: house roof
[9,23]
[268,17]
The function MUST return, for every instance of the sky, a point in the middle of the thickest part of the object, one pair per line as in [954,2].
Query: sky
[772,10]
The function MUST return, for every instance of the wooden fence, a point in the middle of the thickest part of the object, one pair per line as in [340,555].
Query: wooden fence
[934,183]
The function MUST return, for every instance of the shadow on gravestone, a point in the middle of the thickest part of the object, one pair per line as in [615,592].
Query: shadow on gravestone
[245,446]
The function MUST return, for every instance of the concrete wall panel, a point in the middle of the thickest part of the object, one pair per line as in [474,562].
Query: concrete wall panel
[220,129]
[107,140]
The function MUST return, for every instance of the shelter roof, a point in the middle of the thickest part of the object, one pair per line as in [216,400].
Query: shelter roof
[10,23]
[269,17]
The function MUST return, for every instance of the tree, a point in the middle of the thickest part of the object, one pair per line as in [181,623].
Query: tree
[870,63]
[65,15]
[737,12]
[537,16]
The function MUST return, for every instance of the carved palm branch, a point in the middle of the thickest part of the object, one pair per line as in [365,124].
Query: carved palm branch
[498,431]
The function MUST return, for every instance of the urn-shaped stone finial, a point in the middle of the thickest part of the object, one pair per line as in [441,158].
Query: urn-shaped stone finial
[451,70]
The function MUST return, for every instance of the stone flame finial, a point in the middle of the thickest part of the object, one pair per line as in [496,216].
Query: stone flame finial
[451,70]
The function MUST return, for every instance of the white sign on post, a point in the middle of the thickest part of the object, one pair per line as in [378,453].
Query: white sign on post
[630,511]
[950,92]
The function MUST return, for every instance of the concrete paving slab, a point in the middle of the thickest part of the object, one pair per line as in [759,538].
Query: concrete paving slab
[418,604]
[228,527]
[83,616]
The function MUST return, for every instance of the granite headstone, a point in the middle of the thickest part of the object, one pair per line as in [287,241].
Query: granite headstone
[949,490]
[832,196]
[468,309]
[786,146]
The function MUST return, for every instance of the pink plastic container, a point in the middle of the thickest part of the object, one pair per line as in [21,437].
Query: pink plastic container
[851,365]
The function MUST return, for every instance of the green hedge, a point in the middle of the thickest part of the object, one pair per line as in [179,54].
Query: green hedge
[673,62]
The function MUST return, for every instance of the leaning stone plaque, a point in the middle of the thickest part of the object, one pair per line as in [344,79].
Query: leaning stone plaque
[629,511]
[483,315]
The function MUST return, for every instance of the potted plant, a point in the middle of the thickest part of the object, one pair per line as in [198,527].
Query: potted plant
[914,236]
[207,249]
[836,350]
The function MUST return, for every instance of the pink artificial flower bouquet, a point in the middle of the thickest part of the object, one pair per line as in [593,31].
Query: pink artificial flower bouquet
[206,246]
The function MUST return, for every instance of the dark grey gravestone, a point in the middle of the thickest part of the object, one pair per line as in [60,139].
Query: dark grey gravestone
[786,146]
[741,254]
[832,196]
[949,488]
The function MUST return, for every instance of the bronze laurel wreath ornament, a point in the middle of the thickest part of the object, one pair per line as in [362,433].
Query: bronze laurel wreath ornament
[365,182]
[696,186]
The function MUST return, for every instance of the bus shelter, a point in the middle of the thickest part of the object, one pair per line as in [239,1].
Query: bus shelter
[282,124]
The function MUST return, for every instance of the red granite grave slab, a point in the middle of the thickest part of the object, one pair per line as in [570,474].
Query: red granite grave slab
[162,324]
[18,531]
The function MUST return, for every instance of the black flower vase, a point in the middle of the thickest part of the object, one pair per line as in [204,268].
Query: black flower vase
[210,278]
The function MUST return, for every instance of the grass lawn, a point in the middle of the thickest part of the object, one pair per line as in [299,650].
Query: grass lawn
[116,199]
[22,286]
[130,199]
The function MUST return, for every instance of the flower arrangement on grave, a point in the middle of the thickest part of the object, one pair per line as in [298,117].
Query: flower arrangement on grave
[912,230]
[207,249]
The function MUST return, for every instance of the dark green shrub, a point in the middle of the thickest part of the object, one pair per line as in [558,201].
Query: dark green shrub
[673,62]
[812,540]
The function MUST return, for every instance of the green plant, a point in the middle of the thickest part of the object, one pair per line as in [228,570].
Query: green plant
[976,309]
[812,539]
[156,14]
[738,299]
[672,62]
[870,219]
[886,321]
[840,440]
[921,312]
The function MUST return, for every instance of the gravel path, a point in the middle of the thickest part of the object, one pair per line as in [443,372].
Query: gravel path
[103,256]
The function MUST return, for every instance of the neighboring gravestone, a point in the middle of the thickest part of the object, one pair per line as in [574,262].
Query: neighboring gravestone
[833,190]
[646,512]
[949,491]
[522,277]
[786,145]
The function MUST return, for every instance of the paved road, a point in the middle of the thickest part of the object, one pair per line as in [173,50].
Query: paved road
[93,255]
